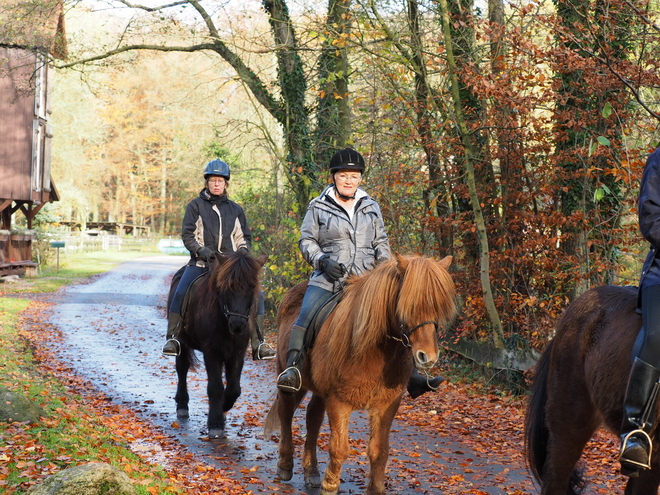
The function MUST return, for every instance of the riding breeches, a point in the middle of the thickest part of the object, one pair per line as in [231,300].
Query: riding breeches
[191,273]
[650,350]
[315,297]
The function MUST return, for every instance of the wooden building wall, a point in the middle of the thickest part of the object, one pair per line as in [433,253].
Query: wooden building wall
[25,135]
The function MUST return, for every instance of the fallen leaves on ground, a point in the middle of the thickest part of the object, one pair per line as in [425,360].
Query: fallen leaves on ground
[481,429]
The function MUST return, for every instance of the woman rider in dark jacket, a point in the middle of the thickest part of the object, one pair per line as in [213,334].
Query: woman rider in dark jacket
[212,223]
[639,404]
[342,234]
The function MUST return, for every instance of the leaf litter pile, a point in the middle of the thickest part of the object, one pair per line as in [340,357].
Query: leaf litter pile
[474,430]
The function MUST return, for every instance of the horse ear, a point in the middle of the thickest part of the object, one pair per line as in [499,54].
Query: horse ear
[445,262]
[402,262]
[262,259]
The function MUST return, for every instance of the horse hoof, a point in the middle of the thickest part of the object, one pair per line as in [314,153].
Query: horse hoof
[182,413]
[285,474]
[312,480]
[216,433]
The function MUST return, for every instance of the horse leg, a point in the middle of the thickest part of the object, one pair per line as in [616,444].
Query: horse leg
[338,416]
[233,368]
[315,414]
[571,420]
[646,484]
[379,446]
[181,398]
[215,391]
[286,407]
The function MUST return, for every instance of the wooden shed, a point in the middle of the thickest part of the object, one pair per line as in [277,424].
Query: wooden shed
[31,34]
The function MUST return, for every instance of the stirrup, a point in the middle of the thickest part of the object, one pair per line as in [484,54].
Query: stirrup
[177,345]
[286,388]
[630,462]
[256,354]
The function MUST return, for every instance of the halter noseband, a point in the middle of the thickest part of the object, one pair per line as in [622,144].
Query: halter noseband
[405,336]
[230,313]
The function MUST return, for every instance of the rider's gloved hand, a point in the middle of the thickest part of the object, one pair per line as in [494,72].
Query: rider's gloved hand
[243,250]
[204,253]
[332,268]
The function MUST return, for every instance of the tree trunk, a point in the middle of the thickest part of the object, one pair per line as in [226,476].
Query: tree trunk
[480,224]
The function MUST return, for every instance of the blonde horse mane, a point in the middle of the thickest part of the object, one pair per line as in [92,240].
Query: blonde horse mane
[406,290]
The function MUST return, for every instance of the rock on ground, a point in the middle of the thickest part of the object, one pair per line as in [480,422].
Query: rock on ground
[95,478]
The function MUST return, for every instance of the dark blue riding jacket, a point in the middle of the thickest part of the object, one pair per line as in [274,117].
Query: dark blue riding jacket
[215,222]
[649,219]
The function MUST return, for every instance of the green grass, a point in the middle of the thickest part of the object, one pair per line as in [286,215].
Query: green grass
[73,431]
[73,268]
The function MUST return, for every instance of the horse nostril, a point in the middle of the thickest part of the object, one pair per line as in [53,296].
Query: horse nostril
[421,358]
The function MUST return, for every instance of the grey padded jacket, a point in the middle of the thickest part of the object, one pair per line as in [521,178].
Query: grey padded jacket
[357,243]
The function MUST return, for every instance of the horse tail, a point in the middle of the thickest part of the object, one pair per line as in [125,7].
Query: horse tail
[537,434]
[536,428]
[272,423]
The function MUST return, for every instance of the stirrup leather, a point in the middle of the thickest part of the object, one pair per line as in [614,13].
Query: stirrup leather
[641,465]
[265,346]
[289,389]
[176,343]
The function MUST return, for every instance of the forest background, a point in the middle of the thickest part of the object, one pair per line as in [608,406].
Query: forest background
[510,135]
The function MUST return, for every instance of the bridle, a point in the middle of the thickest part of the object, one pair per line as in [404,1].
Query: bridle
[228,313]
[405,335]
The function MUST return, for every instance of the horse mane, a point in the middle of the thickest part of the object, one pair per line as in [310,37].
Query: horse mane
[235,272]
[406,290]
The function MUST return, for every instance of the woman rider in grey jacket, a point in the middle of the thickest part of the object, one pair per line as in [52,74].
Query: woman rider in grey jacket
[212,223]
[342,234]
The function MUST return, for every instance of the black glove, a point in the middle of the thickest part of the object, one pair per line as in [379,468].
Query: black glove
[204,254]
[332,268]
[243,250]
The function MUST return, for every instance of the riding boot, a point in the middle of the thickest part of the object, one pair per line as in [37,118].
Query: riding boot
[260,350]
[290,380]
[172,347]
[638,418]
[418,384]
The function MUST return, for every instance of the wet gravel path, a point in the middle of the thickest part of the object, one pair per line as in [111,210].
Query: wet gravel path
[114,328]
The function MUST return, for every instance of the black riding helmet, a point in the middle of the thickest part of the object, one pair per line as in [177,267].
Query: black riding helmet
[216,167]
[347,159]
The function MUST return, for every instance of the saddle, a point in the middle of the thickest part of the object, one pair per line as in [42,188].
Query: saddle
[319,318]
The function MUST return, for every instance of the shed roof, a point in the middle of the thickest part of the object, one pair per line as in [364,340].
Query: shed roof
[34,25]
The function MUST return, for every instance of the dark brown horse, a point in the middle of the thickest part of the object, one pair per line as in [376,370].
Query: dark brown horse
[361,360]
[579,386]
[215,322]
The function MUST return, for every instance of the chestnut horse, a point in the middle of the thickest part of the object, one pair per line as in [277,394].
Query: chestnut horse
[222,305]
[361,360]
[579,386]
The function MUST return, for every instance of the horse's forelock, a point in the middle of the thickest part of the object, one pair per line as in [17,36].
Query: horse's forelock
[237,273]
[427,289]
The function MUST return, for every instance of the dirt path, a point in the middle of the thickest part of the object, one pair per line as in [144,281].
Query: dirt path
[114,329]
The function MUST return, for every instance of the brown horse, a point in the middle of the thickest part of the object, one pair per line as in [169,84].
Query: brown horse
[361,360]
[579,386]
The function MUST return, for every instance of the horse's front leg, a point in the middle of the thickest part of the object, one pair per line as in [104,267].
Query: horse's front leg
[379,446]
[338,416]
[182,365]
[286,406]
[215,391]
[233,369]
[315,413]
